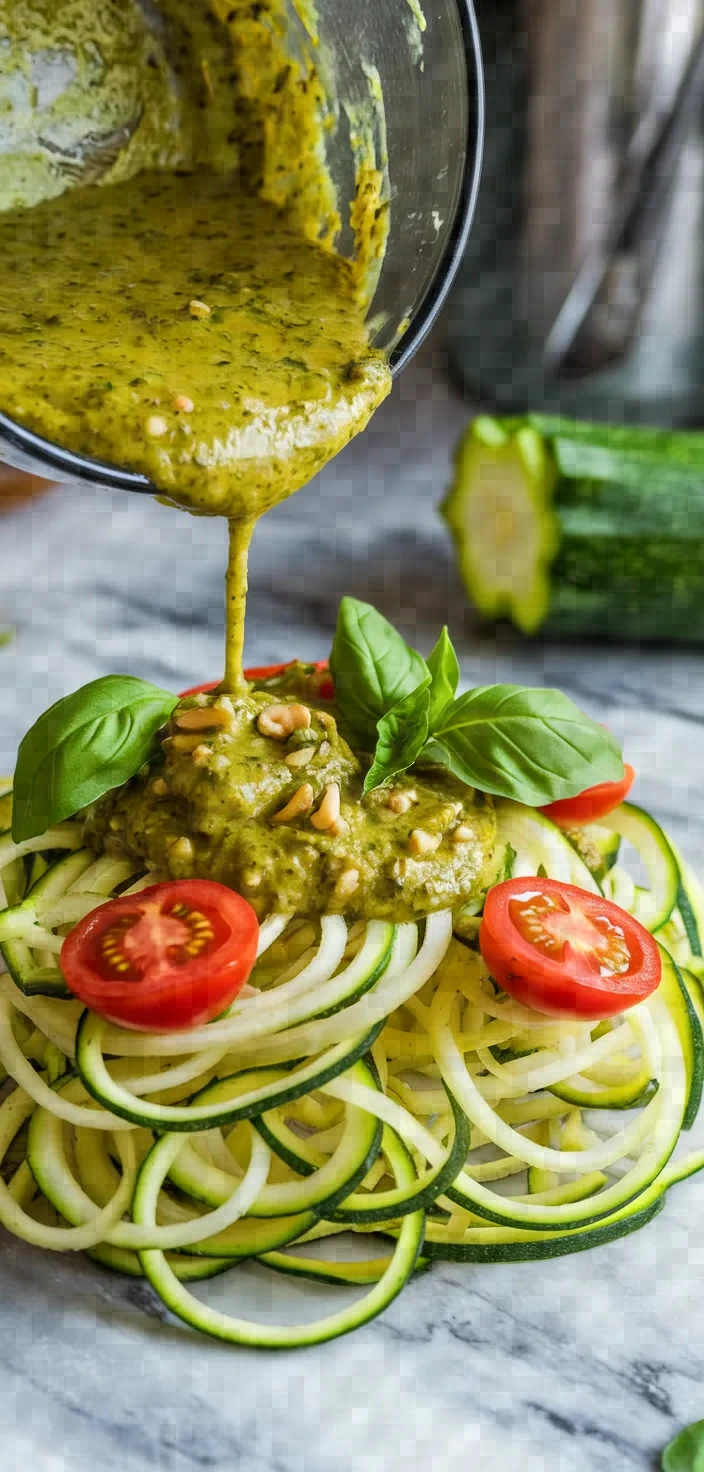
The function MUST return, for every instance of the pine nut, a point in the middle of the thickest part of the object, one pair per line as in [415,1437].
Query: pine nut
[204,718]
[339,828]
[280,721]
[421,843]
[184,743]
[401,802]
[183,405]
[159,787]
[297,759]
[347,883]
[199,309]
[329,810]
[301,802]
[156,426]
[463,834]
[182,850]
[223,702]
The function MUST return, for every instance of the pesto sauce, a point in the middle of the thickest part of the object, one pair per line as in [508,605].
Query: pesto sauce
[197,326]
[209,807]
[183,329]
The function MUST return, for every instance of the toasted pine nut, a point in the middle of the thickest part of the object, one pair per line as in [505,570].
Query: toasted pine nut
[157,426]
[401,802]
[159,787]
[199,309]
[204,718]
[183,405]
[184,743]
[223,702]
[297,759]
[280,721]
[463,834]
[301,802]
[339,828]
[421,843]
[182,850]
[329,810]
[347,883]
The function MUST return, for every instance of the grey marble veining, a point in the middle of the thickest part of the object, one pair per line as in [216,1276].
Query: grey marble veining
[586,1364]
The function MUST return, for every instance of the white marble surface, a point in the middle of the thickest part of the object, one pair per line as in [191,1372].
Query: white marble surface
[587,1364]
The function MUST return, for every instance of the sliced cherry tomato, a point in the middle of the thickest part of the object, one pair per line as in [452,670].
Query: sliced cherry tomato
[173,956]
[597,802]
[267,672]
[566,952]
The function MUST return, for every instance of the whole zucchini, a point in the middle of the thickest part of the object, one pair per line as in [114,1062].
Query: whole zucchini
[581,530]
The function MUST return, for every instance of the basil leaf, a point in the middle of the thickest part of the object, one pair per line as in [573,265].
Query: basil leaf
[82,746]
[402,736]
[531,745]
[686,1452]
[445,671]
[373,669]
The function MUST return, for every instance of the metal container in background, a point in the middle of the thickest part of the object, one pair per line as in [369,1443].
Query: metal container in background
[582,288]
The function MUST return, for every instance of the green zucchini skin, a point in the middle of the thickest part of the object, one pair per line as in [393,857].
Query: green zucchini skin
[626,514]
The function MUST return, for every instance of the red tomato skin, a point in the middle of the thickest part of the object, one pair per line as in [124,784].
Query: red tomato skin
[558,988]
[266,672]
[588,807]
[190,995]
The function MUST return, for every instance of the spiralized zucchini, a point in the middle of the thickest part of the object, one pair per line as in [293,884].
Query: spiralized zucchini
[378,1082]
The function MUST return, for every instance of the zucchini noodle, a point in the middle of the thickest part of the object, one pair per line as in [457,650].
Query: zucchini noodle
[373,1080]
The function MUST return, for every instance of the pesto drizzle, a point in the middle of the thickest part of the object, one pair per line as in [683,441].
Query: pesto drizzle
[240,536]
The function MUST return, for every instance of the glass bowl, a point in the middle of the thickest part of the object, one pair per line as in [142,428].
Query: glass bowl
[429,65]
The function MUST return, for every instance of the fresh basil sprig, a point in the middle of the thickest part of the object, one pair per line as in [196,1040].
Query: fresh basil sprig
[686,1452]
[402,734]
[373,669]
[83,746]
[534,746]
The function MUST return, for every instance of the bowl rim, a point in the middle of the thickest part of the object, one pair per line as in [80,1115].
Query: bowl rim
[26,450]
[436,294]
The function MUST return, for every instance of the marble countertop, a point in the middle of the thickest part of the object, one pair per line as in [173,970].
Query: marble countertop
[587,1364]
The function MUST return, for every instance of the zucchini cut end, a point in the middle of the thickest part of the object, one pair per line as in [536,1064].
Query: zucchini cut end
[500,514]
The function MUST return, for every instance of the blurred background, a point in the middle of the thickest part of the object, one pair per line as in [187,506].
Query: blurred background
[583,286]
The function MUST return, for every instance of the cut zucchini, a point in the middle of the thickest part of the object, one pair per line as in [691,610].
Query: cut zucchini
[536,843]
[596,529]
[243,1096]
[18,922]
[187,1269]
[366,1208]
[322,1189]
[500,514]
[264,1336]
[653,908]
[324,1270]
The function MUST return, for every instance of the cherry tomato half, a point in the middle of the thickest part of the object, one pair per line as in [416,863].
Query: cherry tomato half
[173,956]
[588,807]
[267,672]
[566,952]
